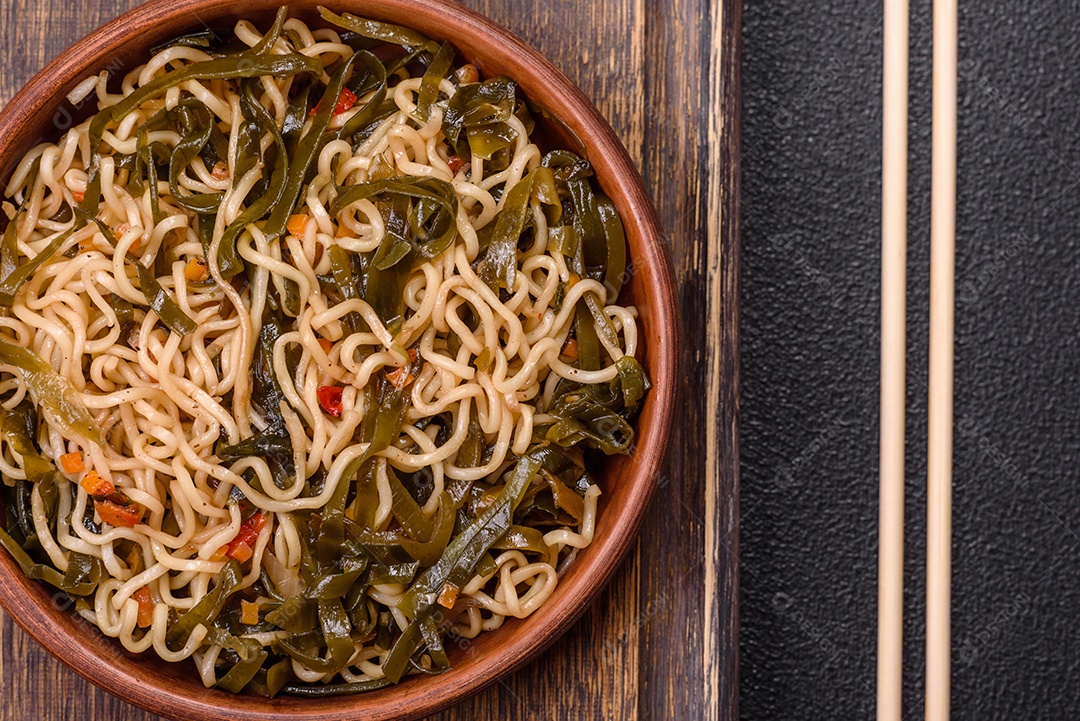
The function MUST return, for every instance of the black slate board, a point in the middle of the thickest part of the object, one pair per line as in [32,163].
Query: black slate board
[811,210]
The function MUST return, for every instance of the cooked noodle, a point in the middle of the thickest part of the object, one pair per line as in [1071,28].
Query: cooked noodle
[475,365]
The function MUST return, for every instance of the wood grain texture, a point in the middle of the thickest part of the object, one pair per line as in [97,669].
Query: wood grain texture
[722,369]
[661,641]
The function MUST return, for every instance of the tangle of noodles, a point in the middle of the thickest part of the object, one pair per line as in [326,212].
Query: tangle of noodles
[304,347]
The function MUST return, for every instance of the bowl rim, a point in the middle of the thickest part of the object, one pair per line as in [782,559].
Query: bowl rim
[71,640]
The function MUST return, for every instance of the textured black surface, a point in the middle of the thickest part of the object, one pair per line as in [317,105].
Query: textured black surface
[811,170]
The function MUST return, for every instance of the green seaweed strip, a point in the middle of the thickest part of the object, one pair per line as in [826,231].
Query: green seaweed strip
[306,151]
[386,32]
[241,674]
[463,552]
[38,571]
[588,344]
[53,393]
[524,538]
[429,630]
[9,248]
[397,661]
[429,86]
[217,69]
[336,629]
[267,42]
[198,123]
[18,426]
[386,423]
[377,72]
[406,510]
[615,266]
[632,380]
[229,262]
[341,266]
[426,552]
[10,285]
[209,608]
[336,689]
[499,266]
[162,303]
[426,245]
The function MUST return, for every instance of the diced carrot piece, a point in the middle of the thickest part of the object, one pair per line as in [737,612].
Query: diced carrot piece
[330,399]
[196,271]
[77,196]
[413,354]
[86,245]
[72,462]
[146,607]
[241,552]
[240,547]
[249,613]
[220,171]
[221,554]
[448,595]
[297,223]
[399,377]
[326,344]
[96,486]
[117,515]
[570,349]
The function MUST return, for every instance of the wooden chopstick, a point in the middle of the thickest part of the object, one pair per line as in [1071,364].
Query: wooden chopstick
[942,309]
[893,356]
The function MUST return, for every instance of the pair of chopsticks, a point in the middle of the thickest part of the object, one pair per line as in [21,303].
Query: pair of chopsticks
[893,371]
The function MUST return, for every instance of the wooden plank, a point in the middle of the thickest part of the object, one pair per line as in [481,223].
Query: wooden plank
[691,132]
[721,650]
[36,32]
[676,171]
[661,640]
[34,685]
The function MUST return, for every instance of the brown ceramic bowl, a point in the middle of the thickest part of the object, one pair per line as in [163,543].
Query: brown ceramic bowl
[628,482]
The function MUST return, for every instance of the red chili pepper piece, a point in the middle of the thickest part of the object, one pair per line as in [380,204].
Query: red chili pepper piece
[346,99]
[330,399]
[240,547]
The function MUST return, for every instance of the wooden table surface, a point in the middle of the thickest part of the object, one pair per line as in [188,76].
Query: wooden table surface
[661,642]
